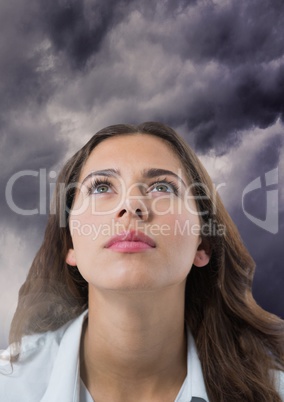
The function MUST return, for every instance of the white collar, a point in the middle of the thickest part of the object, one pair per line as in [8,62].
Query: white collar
[64,382]
[194,383]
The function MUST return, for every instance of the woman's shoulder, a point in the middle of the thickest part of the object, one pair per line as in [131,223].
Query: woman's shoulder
[29,375]
[30,346]
[280,383]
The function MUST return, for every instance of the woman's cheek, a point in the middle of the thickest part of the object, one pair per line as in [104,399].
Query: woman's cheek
[184,226]
[165,204]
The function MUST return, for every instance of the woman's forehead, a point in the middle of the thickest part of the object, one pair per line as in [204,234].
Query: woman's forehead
[135,150]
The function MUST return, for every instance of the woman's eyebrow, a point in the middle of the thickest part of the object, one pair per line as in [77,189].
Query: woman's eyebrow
[155,172]
[104,172]
[146,173]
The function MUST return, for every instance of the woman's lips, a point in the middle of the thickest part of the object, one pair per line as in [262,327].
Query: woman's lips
[130,242]
[129,246]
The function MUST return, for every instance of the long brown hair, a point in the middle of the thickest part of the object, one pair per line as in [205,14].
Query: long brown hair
[239,344]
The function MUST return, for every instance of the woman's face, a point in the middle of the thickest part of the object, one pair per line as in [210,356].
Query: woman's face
[134,223]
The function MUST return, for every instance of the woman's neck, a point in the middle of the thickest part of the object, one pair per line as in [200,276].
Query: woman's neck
[134,346]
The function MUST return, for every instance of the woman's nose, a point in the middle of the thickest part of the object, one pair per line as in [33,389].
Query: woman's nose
[135,206]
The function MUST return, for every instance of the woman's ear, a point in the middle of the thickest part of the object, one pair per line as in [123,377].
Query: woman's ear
[203,254]
[71,257]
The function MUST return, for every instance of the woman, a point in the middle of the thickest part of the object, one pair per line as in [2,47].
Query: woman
[141,289]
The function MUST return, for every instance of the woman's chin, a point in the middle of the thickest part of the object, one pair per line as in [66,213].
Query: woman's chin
[124,280]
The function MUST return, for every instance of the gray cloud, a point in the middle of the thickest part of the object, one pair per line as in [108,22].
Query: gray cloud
[265,247]
[243,40]
[234,32]
[240,41]
[77,29]
[29,139]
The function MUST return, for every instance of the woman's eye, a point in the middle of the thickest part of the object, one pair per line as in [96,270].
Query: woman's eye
[162,188]
[102,188]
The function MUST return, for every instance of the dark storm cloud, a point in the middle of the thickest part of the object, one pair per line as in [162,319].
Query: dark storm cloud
[23,82]
[30,154]
[269,279]
[266,247]
[244,40]
[266,250]
[250,97]
[77,28]
[70,32]
[28,138]
[237,32]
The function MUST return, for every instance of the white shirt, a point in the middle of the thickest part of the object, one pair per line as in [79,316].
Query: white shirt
[48,369]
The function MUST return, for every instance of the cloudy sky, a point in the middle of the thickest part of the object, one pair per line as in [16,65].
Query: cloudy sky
[212,69]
